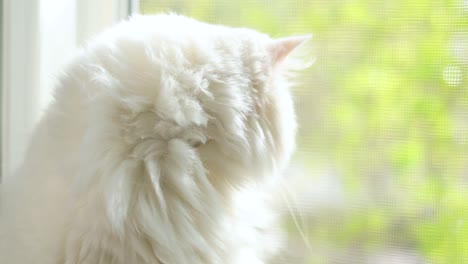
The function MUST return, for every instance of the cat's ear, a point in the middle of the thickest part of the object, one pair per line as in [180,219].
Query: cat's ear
[279,49]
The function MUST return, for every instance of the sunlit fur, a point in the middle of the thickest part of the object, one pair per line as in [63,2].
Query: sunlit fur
[159,147]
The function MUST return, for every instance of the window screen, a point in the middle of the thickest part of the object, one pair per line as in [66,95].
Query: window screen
[381,170]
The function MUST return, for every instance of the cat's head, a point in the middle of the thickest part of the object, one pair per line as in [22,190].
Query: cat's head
[221,92]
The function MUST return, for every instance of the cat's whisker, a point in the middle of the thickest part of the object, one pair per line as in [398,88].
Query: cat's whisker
[299,224]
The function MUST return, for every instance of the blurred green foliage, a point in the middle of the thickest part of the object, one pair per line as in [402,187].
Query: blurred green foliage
[386,107]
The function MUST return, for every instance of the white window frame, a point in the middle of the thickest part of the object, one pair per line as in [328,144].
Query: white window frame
[37,37]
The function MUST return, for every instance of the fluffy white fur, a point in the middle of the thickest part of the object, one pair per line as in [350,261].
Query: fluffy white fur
[158,148]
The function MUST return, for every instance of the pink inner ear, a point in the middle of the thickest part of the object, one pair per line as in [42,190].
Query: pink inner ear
[279,49]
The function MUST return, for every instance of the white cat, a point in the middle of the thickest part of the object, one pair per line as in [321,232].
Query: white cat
[163,137]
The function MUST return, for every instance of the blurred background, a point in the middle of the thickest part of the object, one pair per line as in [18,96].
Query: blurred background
[381,170]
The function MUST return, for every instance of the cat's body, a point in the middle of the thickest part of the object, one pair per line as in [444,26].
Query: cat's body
[158,148]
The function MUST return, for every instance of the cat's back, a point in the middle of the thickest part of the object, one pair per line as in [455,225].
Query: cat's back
[32,220]
[35,201]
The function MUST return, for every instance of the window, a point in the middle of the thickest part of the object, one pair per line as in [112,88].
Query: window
[381,171]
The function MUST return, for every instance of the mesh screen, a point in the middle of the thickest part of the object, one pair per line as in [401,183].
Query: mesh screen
[381,170]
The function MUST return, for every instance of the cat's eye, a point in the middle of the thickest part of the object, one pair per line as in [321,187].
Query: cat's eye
[198,143]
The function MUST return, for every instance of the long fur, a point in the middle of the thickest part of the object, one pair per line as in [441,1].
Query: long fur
[158,148]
